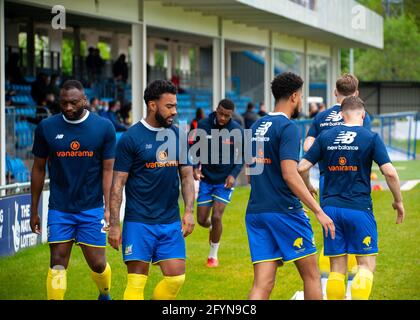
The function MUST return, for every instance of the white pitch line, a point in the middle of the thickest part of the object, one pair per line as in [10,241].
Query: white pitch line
[410,184]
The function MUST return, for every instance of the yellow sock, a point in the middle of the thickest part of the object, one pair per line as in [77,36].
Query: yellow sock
[351,264]
[335,286]
[324,263]
[362,284]
[56,284]
[103,280]
[135,286]
[168,288]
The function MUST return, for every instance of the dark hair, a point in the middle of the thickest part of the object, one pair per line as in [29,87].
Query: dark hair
[250,106]
[227,104]
[93,99]
[285,84]
[352,103]
[199,113]
[72,84]
[347,84]
[156,88]
[113,103]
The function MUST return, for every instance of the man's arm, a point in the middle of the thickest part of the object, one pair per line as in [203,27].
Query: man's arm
[295,183]
[309,141]
[393,182]
[119,180]
[107,166]
[188,194]
[37,184]
[303,169]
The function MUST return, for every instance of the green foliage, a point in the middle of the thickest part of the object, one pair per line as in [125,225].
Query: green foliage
[400,58]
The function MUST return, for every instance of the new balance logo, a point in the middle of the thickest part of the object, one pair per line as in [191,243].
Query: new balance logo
[263,128]
[59,136]
[346,137]
[334,116]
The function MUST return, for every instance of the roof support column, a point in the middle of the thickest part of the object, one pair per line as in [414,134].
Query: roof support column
[2,100]
[306,79]
[138,67]
[334,69]
[269,73]
[218,66]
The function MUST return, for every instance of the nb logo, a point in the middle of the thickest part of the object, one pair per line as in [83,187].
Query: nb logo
[263,128]
[59,136]
[334,116]
[345,137]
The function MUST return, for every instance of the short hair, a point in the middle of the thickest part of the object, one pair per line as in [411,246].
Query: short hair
[156,88]
[112,103]
[250,106]
[227,104]
[285,84]
[347,84]
[352,103]
[72,84]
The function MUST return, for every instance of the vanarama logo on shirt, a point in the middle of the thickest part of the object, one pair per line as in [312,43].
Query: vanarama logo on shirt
[75,152]
[162,162]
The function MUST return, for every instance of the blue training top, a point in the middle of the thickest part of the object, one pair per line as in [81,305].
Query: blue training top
[75,151]
[281,139]
[347,153]
[152,187]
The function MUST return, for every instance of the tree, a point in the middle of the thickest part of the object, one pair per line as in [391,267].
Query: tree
[400,58]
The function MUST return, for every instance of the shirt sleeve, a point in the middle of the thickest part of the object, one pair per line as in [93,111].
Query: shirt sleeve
[367,122]
[40,147]
[110,141]
[125,154]
[380,154]
[313,130]
[314,153]
[289,143]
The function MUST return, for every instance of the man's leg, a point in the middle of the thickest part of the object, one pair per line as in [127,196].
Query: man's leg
[203,216]
[136,280]
[57,274]
[363,280]
[173,278]
[264,280]
[215,232]
[336,288]
[101,270]
[309,272]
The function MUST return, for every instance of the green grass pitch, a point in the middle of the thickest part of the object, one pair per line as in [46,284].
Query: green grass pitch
[397,276]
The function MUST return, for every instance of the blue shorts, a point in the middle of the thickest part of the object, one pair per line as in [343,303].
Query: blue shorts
[84,227]
[152,242]
[208,193]
[355,232]
[279,236]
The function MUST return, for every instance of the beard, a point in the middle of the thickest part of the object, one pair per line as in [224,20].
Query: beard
[296,113]
[162,121]
[76,115]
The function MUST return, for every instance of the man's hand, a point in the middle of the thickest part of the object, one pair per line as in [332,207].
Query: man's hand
[230,181]
[114,236]
[35,223]
[326,223]
[400,211]
[106,218]
[197,174]
[187,223]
